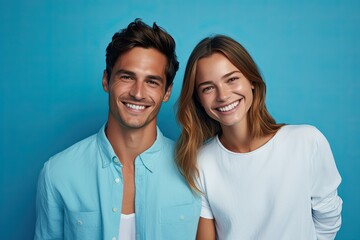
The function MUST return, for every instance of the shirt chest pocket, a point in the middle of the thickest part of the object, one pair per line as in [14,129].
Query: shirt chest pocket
[178,222]
[82,225]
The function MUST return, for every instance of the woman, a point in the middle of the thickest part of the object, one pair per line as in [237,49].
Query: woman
[258,179]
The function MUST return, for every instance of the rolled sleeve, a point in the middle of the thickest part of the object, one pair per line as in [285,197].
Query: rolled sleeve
[326,204]
[327,216]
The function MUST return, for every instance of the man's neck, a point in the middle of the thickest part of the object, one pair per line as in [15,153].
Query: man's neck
[128,143]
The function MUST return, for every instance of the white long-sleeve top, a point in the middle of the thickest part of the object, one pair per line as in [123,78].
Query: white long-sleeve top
[286,189]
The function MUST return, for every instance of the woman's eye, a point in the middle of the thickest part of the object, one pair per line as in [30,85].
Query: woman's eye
[233,79]
[207,89]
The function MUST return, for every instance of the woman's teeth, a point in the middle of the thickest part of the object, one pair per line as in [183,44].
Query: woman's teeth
[229,107]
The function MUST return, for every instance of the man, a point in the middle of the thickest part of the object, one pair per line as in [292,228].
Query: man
[122,183]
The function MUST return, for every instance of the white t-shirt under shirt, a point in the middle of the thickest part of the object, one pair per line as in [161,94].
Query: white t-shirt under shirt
[286,189]
[127,229]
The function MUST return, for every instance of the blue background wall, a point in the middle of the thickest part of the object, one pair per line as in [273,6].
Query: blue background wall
[52,58]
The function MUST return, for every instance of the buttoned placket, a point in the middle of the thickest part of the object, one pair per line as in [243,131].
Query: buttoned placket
[116,200]
[140,203]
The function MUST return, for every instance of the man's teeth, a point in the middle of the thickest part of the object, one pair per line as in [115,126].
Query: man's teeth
[136,107]
[229,107]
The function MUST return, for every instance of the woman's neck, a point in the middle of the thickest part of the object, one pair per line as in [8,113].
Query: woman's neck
[240,140]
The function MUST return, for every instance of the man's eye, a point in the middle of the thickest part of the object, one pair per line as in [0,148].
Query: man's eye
[126,77]
[152,82]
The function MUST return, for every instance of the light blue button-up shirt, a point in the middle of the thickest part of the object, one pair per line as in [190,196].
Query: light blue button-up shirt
[80,191]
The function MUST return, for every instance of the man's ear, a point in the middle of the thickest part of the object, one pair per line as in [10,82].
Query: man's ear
[105,81]
[168,93]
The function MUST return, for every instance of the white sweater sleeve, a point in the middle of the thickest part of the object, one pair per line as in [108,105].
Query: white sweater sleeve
[205,206]
[326,204]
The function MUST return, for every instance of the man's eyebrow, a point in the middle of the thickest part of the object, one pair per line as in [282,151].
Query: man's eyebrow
[130,73]
[127,72]
[155,77]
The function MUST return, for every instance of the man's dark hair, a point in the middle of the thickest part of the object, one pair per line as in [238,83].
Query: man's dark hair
[139,34]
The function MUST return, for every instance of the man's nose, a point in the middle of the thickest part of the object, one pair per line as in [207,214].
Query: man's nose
[137,90]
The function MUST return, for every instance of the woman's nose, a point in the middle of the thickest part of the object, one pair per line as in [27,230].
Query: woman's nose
[223,93]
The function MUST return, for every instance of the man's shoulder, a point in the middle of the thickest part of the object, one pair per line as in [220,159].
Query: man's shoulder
[168,142]
[76,152]
[67,166]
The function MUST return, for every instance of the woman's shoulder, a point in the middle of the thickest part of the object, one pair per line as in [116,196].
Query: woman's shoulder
[208,145]
[208,150]
[302,129]
[303,132]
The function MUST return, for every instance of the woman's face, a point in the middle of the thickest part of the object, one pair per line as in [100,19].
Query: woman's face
[224,92]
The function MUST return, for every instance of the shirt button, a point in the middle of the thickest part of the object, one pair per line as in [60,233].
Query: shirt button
[79,222]
[114,209]
[115,160]
[182,217]
[113,238]
[117,180]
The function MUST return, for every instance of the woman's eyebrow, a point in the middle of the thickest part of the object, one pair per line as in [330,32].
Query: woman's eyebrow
[230,73]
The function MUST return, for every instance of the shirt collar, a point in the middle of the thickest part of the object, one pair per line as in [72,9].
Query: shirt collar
[106,151]
[148,157]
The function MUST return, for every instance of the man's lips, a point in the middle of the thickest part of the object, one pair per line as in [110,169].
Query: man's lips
[135,106]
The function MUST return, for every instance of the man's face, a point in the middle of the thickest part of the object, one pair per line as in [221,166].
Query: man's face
[137,88]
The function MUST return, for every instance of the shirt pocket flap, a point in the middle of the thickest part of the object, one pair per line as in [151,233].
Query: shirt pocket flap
[84,219]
